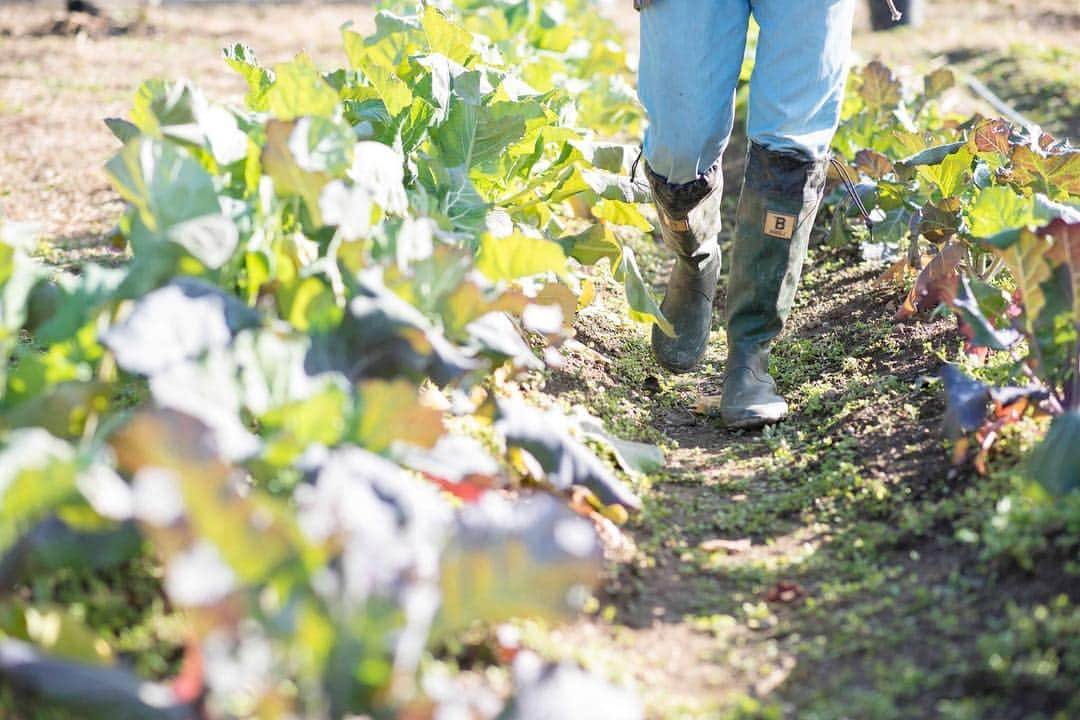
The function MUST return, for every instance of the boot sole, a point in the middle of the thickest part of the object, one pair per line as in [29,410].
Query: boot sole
[752,422]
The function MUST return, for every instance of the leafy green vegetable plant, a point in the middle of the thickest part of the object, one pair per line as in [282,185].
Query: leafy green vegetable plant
[296,366]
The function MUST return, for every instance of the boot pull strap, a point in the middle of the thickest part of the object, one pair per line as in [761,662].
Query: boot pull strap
[853,193]
[639,184]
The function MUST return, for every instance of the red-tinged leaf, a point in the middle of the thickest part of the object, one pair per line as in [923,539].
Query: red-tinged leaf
[785,592]
[466,490]
[992,135]
[873,164]
[937,283]
[880,89]
[941,220]
[1066,250]
[894,274]
[1056,174]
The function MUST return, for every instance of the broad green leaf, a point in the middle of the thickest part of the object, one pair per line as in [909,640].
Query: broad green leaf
[1027,260]
[321,145]
[393,91]
[590,246]
[291,428]
[477,135]
[241,58]
[518,256]
[210,239]
[37,478]
[163,183]
[396,38]
[621,213]
[1055,463]
[121,129]
[643,306]
[951,175]
[167,110]
[310,305]
[998,209]
[446,38]
[77,299]
[299,89]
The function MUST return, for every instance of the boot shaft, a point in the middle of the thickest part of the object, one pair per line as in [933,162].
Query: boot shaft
[689,216]
[777,206]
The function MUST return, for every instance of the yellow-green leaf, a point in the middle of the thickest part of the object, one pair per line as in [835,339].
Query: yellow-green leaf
[518,256]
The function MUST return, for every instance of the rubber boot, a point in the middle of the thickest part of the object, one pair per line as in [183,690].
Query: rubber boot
[779,200]
[689,225]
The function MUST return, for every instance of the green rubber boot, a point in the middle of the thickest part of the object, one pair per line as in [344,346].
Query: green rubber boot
[689,224]
[777,206]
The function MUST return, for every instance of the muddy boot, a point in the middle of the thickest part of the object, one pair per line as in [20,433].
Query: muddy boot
[689,224]
[779,200]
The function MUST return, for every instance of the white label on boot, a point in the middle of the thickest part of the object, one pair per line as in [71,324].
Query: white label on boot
[779,225]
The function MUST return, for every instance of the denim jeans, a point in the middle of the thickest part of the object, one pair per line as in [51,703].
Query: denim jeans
[691,54]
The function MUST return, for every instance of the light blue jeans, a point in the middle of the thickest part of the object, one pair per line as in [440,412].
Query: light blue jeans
[691,54]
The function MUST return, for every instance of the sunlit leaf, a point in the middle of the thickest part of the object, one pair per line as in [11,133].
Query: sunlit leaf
[518,256]
[299,89]
[643,306]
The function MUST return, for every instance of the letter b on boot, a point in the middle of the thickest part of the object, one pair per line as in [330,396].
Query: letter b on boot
[780,225]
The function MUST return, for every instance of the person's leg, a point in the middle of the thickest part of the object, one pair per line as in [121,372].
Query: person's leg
[691,54]
[796,92]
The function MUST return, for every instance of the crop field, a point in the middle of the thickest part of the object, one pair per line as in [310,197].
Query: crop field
[328,390]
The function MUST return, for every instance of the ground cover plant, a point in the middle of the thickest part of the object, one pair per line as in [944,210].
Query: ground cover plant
[316,349]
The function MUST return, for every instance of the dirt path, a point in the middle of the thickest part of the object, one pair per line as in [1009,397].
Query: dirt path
[813,570]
